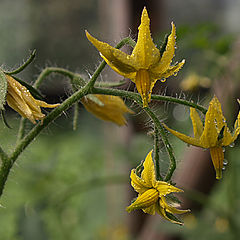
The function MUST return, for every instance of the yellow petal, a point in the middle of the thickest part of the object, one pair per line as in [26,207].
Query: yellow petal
[148,173]
[150,210]
[183,137]
[217,156]
[121,62]
[236,128]
[196,122]
[138,184]
[112,109]
[215,122]
[172,70]
[145,53]
[165,188]
[20,99]
[144,86]
[168,54]
[144,200]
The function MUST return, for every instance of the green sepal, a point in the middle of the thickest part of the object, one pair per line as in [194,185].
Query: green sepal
[139,169]
[221,134]
[174,218]
[35,93]
[94,99]
[164,45]
[111,84]
[3,89]
[171,198]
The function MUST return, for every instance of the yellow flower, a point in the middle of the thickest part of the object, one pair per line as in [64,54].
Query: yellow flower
[20,99]
[145,65]
[106,107]
[213,135]
[152,193]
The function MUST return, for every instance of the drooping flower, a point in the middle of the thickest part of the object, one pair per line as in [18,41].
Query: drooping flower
[20,99]
[213,135]
[107,108]
[146,64]
[152,193]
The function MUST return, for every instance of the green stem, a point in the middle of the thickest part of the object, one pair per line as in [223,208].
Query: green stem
[29,60]
[75,116]
[156,154]
[50,70]
[132,95]
[5,168]
[21,130]
[3,155]
[172,165]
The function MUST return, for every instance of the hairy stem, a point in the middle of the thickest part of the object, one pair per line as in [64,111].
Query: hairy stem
[166,143]
[156,154]
[132,95]
[5,168]
[49,70]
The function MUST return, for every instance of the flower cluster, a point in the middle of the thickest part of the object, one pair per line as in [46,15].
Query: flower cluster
[152,196]
[144,66]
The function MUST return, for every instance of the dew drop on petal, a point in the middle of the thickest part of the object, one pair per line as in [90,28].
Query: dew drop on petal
[232,144]
[223,168]
[225,162]
[223,149]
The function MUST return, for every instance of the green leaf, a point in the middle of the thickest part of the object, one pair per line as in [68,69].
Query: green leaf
[3,89]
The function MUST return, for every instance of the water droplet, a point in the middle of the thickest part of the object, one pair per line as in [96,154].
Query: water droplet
[223,168]
[223,149]
[232,144]
[225,162]
[163,80]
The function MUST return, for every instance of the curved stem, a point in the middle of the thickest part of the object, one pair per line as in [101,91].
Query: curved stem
[132,95]
[3,155]
[5,168]
[166,143]
[156,154]
[50,70]
[28,61]
[21,130]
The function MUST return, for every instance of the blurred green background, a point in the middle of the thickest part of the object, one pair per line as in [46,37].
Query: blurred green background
[75,184]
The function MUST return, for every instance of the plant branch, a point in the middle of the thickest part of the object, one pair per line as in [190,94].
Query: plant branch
[22,67]
[132,95]
[172,165]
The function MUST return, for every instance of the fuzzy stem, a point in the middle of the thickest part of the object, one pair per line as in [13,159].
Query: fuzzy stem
[166,143]
[132,95]
[3,155]
[5,168]
[50,70]
[156,154]
[22,67]
[21,130]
